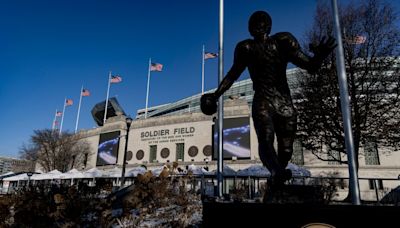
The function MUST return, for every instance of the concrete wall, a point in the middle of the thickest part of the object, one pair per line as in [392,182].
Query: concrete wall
[166,137]
[194,129]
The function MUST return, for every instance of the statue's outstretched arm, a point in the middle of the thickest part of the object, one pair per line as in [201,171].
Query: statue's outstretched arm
[238,66]
[321,51]
[208,102]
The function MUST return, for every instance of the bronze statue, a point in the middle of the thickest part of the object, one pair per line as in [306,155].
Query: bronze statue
[266,58]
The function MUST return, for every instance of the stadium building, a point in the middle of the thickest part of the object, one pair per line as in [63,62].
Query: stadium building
[179,132]
[15,165]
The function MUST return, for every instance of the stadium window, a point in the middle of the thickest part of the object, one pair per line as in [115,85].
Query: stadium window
[180,150]
[379,184]
[85,159]
[371,153]
[298,156]
[171,110]
[334,157]
[153,153]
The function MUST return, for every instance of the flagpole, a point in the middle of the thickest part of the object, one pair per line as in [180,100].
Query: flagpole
[54,121]
[62,117]
[108,93]
[202,72]
[220,167]
[79,111]
[354,186]
[148,88]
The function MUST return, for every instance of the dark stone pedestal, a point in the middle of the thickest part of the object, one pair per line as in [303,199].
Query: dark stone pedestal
[229,214]
[296,206]
[296,194]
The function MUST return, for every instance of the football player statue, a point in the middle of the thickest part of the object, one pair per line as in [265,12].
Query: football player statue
[266,58]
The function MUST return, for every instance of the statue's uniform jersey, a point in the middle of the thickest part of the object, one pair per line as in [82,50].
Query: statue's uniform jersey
[267,62]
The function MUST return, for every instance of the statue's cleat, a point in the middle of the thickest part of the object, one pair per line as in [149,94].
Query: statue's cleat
[280,178]
[287,174]
[269,193]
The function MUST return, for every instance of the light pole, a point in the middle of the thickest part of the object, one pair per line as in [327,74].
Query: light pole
[29,174]
[128,126]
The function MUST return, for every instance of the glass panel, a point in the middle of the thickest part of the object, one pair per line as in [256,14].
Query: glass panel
[371,153]
[180,149]
[298,157]
[153,153]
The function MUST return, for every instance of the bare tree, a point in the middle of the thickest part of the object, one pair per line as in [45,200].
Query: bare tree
[371,46]
[52,150]
[28,152]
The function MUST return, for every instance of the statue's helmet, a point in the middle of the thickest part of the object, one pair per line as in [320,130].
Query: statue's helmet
[260,23]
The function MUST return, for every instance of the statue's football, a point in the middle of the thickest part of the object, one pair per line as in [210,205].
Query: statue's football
[208,104]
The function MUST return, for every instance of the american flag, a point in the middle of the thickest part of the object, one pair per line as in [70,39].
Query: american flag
[116,79]
[209,55]
[156,67]
[68,102]
[58,114]
[358,40]
[85,93]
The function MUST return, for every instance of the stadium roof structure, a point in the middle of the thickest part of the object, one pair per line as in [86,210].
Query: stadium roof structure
[113,109]
[241,89]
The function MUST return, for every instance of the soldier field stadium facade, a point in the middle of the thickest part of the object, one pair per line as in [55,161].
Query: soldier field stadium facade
[179,132]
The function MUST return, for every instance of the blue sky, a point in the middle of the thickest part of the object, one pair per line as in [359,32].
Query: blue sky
[48,49]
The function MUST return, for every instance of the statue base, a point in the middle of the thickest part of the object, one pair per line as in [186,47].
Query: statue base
[297,207]
[296,194]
